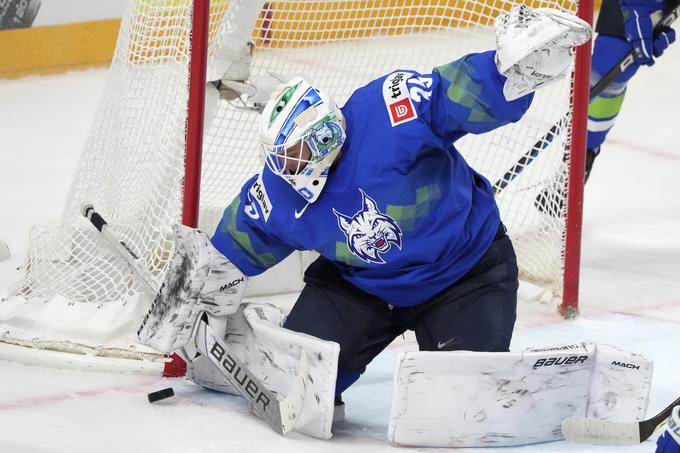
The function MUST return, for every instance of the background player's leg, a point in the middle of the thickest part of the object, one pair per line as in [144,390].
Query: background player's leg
[605,107]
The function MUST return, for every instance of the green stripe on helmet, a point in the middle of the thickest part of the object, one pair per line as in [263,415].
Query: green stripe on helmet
[281,103]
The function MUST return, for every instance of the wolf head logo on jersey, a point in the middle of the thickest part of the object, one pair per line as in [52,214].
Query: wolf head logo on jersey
[369,232]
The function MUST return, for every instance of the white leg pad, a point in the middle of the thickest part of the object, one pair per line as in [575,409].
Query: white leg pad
[272,353]
[620,385]
[482,399]
[201,369]
[477,399]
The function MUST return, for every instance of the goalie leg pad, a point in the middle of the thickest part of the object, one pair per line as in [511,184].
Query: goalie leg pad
[199,278]
[253,94]
[272,354]
[506,399]
[200,368]
[620,385]
[482,399]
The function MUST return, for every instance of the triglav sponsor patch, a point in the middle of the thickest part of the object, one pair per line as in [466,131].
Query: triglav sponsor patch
[397,99]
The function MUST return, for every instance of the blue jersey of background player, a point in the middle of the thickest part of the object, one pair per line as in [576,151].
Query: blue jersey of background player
[622,26]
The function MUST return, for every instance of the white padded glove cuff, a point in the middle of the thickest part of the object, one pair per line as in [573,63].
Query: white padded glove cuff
[199,278]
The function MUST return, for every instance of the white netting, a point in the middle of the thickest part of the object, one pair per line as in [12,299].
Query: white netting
[133,165]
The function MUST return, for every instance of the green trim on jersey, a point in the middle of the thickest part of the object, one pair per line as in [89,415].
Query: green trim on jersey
[406,215]
[265,260]
[343,254]
[464,89]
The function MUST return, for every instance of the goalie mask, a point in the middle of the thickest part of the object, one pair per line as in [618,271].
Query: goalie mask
[301,133]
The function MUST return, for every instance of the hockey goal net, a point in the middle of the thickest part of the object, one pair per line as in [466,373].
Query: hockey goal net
[78,296]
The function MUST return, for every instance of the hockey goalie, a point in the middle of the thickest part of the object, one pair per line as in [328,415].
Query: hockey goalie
[409,236]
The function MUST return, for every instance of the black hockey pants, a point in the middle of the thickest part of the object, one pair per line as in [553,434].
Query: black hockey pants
[476,313]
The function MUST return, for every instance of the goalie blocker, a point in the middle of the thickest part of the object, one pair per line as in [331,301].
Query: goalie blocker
[198,279]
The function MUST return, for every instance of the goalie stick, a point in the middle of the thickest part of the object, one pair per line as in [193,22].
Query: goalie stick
[601,432]
[279,414]
[119,247]
[547,138]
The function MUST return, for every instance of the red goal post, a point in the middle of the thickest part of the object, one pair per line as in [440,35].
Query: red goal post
[574,212]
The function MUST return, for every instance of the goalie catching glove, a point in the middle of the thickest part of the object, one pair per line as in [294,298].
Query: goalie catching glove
[535,47]
[199,278]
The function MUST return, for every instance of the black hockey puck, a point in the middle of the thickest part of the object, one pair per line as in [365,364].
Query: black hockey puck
[161,395]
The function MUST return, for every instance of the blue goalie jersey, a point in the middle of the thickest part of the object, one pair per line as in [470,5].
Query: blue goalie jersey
[402,215]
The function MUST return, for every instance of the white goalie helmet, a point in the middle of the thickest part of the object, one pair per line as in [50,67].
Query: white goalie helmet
[301,133]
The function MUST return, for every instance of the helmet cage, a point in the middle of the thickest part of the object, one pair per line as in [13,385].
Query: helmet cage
[311,149]
[301,133]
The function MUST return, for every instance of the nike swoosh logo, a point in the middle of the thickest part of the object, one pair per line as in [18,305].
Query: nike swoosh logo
[299,214]
[441,345]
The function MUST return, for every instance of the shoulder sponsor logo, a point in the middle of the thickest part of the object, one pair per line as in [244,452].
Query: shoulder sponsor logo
[258,193]
[401,112]
[397,99]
